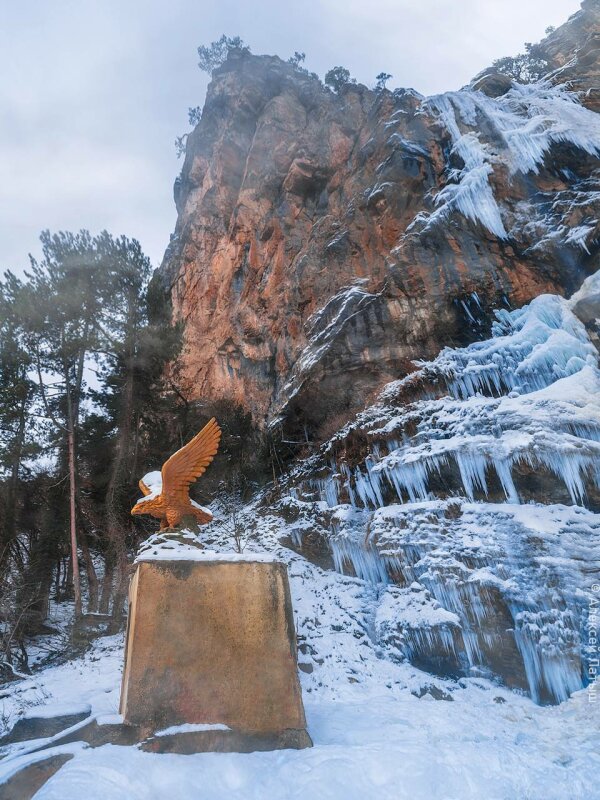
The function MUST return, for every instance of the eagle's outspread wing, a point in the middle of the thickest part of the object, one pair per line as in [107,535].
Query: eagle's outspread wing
[190,462]
[144,489]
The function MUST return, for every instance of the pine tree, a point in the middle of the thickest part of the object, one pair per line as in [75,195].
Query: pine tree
[16,398]
[66,318]
[95,338]
[139,344]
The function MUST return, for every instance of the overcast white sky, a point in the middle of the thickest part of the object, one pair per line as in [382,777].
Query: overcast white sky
[94,92]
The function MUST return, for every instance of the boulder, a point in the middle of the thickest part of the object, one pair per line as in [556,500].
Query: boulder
[42,722]
[25,783]
[492,83]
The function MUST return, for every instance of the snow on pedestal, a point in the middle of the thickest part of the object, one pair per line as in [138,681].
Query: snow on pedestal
[211,642]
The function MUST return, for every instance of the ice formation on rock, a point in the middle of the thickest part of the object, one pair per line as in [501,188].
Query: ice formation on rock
[496,587]
[521,127]
[527,396]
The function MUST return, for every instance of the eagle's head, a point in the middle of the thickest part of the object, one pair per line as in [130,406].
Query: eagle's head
[147,505]
[152,502]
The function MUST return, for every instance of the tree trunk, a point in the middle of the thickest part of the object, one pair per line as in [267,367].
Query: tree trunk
[114,499]
[41,606]
[72,506]
[57,581]
[120,594]
[10,520]
[67,579]
[107,584]
[92,578]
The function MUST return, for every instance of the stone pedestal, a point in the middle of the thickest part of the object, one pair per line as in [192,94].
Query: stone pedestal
[211,641]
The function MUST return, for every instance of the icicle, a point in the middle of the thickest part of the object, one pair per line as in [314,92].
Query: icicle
[422,641]
[296,535]
[347,473]
[460,601]
[467,311]
[548,643]
[503,471]
[328,487]
[368,486]
[409,477]
[531,348]
[472,471]
[524,123]
[366,562]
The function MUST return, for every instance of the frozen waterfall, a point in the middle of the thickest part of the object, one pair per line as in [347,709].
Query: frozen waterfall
[496,587]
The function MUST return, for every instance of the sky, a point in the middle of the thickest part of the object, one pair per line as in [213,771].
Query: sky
[94,92]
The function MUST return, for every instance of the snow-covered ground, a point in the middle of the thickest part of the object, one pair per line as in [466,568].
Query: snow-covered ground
[373,736]
[490,592]
[369,748]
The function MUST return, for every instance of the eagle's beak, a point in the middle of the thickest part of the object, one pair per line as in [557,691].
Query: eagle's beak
[136,509]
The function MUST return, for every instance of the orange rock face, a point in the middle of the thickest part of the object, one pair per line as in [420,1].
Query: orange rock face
[300,264]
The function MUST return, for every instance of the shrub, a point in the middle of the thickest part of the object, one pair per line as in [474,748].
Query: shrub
[195,115]
[337,78]
[382,79]
[526,67]
[296,59]
[180,143]
[213,55]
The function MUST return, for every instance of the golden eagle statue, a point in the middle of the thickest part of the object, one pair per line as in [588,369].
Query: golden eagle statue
[166,493]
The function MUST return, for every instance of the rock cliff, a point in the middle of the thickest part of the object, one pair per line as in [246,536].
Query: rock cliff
[387,274]
[325,240]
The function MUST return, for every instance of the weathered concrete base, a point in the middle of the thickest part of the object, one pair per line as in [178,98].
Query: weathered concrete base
[226,742]
[213,641]
[207,642]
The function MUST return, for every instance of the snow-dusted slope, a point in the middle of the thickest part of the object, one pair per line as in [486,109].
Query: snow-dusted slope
[402,664]
[381,728]
[488,586]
